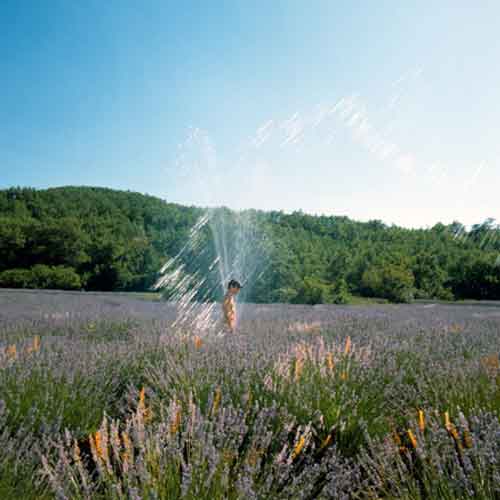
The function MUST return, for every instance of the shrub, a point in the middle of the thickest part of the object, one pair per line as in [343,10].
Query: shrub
[41,276]
[314,291]
[340,292]
[16,278]
[391,281]
[64,278]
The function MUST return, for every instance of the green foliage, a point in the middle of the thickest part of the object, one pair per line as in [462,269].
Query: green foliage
[314,291]
[112,240]
[340,292]
[285,295]
[64,278]
[41,276]
[115,240]
[476,277]
[430,278]
[317,291]
[16,278]
[13,236]
[391,281]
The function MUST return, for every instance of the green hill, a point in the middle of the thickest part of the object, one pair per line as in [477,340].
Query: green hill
[103,239]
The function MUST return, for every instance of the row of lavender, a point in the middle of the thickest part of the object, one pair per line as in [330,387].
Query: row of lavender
[100,398]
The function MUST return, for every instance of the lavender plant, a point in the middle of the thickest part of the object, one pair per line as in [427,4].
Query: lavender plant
[101,396]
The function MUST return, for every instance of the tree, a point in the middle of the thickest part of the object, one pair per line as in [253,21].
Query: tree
[390,281]
[340,264]
[58,242]
[314,291]
[118,240]
[430,278]
[340,292]
[12,240]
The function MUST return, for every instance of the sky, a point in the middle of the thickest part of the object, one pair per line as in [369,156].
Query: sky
[373,110]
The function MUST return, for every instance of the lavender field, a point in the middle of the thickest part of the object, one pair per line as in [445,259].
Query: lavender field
[102,398]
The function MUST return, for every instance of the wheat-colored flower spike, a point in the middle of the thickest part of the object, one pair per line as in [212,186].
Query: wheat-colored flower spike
[421,420]
[176,421]
[142,395]
[299,366]
[396,437]
[11,351]
[326,442]
[347,348]
[413,439]
[217,399]
[298,447]
[329,361]
[447,422]
[468,443]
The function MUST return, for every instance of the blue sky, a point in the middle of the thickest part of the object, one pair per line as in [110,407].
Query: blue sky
[374,110]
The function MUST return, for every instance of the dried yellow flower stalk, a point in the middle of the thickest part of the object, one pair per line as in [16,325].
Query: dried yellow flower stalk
[298,447]
[347,348]
[329,361]
[421,420]
[413,439]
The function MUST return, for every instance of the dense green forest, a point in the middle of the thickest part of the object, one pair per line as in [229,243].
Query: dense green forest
[102,239]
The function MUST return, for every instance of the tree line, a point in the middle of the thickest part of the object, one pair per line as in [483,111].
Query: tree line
[102,239]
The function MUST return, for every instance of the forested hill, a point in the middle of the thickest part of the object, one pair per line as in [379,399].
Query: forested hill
[102,239]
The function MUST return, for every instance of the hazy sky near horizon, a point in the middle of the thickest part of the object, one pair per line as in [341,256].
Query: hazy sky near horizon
[375,110]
